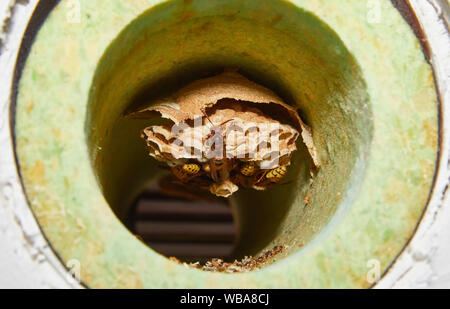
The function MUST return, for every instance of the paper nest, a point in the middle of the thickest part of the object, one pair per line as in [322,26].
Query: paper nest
[220,124]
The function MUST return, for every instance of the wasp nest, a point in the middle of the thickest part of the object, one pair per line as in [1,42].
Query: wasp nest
[226,132]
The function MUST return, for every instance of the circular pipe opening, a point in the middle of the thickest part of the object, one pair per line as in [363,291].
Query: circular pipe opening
[272,43]
[52,93]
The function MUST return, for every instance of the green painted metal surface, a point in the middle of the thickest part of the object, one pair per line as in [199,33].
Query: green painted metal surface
[365,89]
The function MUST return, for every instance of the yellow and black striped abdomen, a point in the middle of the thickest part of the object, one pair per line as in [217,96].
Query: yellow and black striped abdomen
[186,171]
[191,169]
[248,169]
[276,173]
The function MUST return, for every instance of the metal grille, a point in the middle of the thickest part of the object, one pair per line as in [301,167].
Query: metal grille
[182,223]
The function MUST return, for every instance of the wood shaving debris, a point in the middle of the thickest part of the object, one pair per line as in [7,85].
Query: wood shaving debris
[247,264]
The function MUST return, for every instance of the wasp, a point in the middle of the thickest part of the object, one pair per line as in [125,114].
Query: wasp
[186,171]
[276,173]
[215,128]
[248,169]
[273,175]
[215,165]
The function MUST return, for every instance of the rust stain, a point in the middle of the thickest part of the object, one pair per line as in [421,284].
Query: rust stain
[391,197]
[72,111]
[359,280]
[51,215]
[430,131]
[398,191]
[386,249]
[66,183]
[37,173]
[29,108]
[128,279]
[57,133]
[91,252]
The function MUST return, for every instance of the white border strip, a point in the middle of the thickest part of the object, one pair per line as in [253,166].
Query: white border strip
[424,263]
[25,254]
